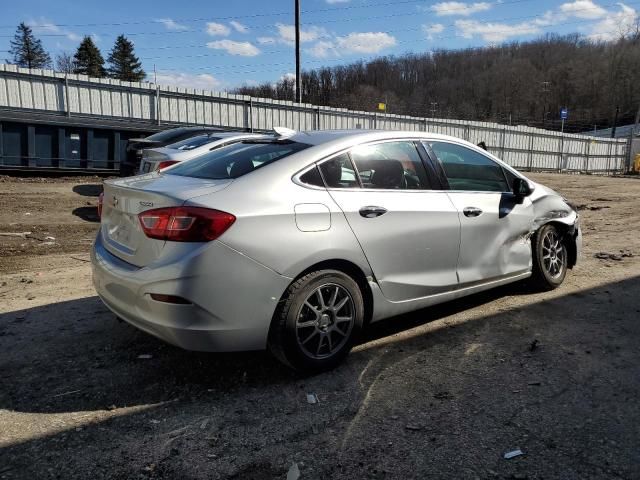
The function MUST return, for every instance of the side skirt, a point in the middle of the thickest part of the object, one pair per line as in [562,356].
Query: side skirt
[383,308]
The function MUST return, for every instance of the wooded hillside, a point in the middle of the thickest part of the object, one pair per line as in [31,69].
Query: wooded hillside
[526,82]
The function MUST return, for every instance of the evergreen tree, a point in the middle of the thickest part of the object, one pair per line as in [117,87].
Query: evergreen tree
[88,59]
[123,63]
[27,50]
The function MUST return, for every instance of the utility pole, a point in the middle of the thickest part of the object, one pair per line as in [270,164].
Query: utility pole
[615,122]
[298,82]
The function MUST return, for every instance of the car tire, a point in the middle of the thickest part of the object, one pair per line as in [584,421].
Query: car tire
[317,321]
[550,258]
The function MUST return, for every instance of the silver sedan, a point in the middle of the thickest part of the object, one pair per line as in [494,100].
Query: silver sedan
[298,241]
[162,157]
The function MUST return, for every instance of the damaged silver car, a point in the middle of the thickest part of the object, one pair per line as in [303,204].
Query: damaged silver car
[298,241]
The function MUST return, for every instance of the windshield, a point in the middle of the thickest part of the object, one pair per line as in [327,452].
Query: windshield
[233,161]
[193,142]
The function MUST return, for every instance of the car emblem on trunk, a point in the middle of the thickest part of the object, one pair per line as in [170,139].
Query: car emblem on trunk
[115,200]
[146,204]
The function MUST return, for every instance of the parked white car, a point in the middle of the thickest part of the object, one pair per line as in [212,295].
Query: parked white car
[162,157]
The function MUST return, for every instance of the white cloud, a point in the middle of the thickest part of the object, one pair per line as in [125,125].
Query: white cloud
[217,29]
[615,24]
[432,29]
[495,32]
[287,33]
[357,42]
[171,24]
[583,9]
[244,49]
[367,42]
[266,40]
[42,25]
[239,27]
[322,49]
[459,8]
[203,81]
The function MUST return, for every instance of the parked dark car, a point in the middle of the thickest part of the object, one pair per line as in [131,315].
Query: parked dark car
[160,139]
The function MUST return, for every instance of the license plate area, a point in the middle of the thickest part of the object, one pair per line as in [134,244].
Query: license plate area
[121,228]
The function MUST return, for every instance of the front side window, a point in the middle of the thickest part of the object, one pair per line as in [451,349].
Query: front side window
[390,166]
[237,159]
[469,170]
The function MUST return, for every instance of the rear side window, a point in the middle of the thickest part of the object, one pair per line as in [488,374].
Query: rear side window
[338,172]
[469,170]
[193,142]
[235,160]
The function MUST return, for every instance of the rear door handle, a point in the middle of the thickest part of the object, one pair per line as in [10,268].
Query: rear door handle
[372,212]
[472,211]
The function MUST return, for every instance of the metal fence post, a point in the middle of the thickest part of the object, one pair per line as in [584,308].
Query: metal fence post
[249,105]
[609,158]
[586,155]
[466,132]
[67,103]
[502,143]
[318,118]
[530,157]
[157,105]
[561,152]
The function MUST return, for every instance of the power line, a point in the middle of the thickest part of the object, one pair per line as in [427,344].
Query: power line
[266,14]
[480,51]
[340,20]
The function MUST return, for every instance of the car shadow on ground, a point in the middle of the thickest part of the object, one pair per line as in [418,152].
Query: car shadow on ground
[556,376]
[88,214]
[88,190]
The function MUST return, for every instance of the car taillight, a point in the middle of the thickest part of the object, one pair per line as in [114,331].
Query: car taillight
[185,224]
[166,163]
[100,201]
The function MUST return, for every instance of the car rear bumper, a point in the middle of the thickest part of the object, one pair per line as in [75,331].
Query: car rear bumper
[232,297]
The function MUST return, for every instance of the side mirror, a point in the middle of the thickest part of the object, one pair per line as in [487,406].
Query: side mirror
[521,187]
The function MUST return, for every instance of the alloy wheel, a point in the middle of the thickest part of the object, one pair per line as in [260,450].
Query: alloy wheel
[554,255]
[325,321]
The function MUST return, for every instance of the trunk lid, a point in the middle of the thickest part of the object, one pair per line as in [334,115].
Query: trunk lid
[125,198]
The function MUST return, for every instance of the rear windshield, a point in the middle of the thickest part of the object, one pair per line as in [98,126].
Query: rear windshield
[167,134]
[193,142]
[233,161]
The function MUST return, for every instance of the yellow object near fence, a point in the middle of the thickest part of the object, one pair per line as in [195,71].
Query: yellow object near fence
[636,163]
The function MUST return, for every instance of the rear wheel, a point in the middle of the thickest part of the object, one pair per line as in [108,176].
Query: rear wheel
[316,324]
[550,258]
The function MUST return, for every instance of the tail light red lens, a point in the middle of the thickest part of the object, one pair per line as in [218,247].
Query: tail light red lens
[166,163]
[185,224]
[100,202]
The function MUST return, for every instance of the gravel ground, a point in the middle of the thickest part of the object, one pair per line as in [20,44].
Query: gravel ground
[441,393]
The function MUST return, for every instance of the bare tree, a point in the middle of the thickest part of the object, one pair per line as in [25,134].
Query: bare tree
[65,63]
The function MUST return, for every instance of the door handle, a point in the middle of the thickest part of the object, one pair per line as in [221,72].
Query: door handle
[472,211]
[372,212]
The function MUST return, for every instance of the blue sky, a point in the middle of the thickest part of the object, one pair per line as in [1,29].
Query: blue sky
[220,45]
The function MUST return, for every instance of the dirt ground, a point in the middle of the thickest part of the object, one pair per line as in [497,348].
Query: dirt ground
[441,393]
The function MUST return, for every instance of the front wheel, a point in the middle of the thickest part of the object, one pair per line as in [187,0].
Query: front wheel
[550,259]
[317,322]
